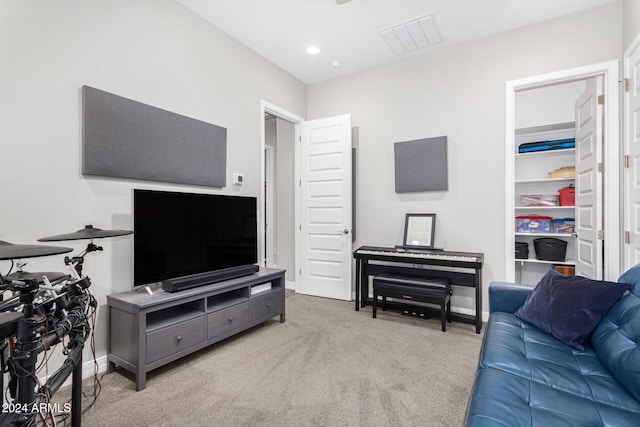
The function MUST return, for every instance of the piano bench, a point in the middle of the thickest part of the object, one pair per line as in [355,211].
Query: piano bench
[414,289]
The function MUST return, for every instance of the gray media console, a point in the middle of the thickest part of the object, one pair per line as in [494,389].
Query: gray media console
[149,331]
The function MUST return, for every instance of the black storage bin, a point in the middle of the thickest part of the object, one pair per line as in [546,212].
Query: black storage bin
[550,249]
[522,250]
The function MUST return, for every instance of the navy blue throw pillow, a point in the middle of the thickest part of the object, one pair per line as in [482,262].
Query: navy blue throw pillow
[569,307]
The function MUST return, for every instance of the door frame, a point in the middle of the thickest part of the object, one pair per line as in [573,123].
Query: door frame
[274,110]
[627,210]
[611,155]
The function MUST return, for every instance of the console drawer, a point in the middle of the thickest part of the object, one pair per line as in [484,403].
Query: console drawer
[266,305]
[227,319]
[172,339]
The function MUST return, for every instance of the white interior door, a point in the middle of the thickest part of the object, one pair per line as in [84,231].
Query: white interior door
[632,150]
[325,208]
[589,248]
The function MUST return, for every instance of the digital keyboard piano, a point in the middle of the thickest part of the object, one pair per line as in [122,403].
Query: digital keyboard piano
[462,268]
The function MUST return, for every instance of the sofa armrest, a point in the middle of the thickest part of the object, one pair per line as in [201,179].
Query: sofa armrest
[507,297]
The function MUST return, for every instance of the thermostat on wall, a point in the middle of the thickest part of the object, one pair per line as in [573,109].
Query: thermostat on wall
[238,178]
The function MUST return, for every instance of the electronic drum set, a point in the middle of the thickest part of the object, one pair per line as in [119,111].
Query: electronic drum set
[44,309]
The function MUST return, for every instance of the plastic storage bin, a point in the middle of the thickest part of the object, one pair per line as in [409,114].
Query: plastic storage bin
[534,224]
[522,250]
[568,196]
[539,200]
[550,249]
[563,225]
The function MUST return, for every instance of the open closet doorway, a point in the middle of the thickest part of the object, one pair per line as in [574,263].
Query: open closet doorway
[322,205]
[580,104]
[279,195]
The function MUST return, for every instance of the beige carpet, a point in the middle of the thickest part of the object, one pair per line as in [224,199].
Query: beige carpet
[327,365]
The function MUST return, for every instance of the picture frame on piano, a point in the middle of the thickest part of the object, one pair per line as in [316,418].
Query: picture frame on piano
[419,230]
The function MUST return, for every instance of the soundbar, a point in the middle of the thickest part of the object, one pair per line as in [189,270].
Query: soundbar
[192,281]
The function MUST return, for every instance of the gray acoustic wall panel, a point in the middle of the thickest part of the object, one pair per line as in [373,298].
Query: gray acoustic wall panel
[128,139]
[421,165]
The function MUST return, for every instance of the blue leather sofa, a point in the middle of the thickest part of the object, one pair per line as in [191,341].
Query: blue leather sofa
[528,378]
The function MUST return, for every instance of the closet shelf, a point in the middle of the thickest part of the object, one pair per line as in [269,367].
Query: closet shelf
[545,181]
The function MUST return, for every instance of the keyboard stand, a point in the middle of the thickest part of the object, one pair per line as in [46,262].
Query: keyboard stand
[460,273]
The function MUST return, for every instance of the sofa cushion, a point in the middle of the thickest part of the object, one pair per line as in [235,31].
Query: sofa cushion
[515,346]
[616,340]
[544,379]
[501,399]
[570,307]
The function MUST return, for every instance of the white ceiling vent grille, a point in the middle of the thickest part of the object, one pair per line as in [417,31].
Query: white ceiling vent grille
[411,35]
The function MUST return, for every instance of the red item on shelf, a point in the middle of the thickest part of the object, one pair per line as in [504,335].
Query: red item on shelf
[567,196]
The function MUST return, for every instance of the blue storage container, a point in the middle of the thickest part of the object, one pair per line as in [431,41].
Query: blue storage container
[564,225]
[534,224]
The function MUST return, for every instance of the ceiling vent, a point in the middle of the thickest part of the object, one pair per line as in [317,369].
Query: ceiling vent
[411,35]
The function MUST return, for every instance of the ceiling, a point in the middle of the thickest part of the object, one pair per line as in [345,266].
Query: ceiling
[281,30]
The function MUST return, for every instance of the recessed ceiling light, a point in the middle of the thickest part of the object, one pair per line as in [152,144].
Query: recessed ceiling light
[313,50]
[336,63]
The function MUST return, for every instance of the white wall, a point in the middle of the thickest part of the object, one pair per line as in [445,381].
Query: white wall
[152,51]
[280,134]
[631,23]
[285,177]
[458,92]
[547,105]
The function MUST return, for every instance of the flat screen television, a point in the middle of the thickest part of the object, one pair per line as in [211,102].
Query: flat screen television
[185,240]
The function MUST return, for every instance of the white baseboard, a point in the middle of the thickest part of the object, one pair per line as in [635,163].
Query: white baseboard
[470,312]
[88,369]
[288,284]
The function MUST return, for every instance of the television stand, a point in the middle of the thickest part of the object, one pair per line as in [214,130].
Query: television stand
[146,331]
[148,288]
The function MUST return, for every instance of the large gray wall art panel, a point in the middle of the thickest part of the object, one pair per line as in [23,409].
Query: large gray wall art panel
[128,139]
[421,165]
